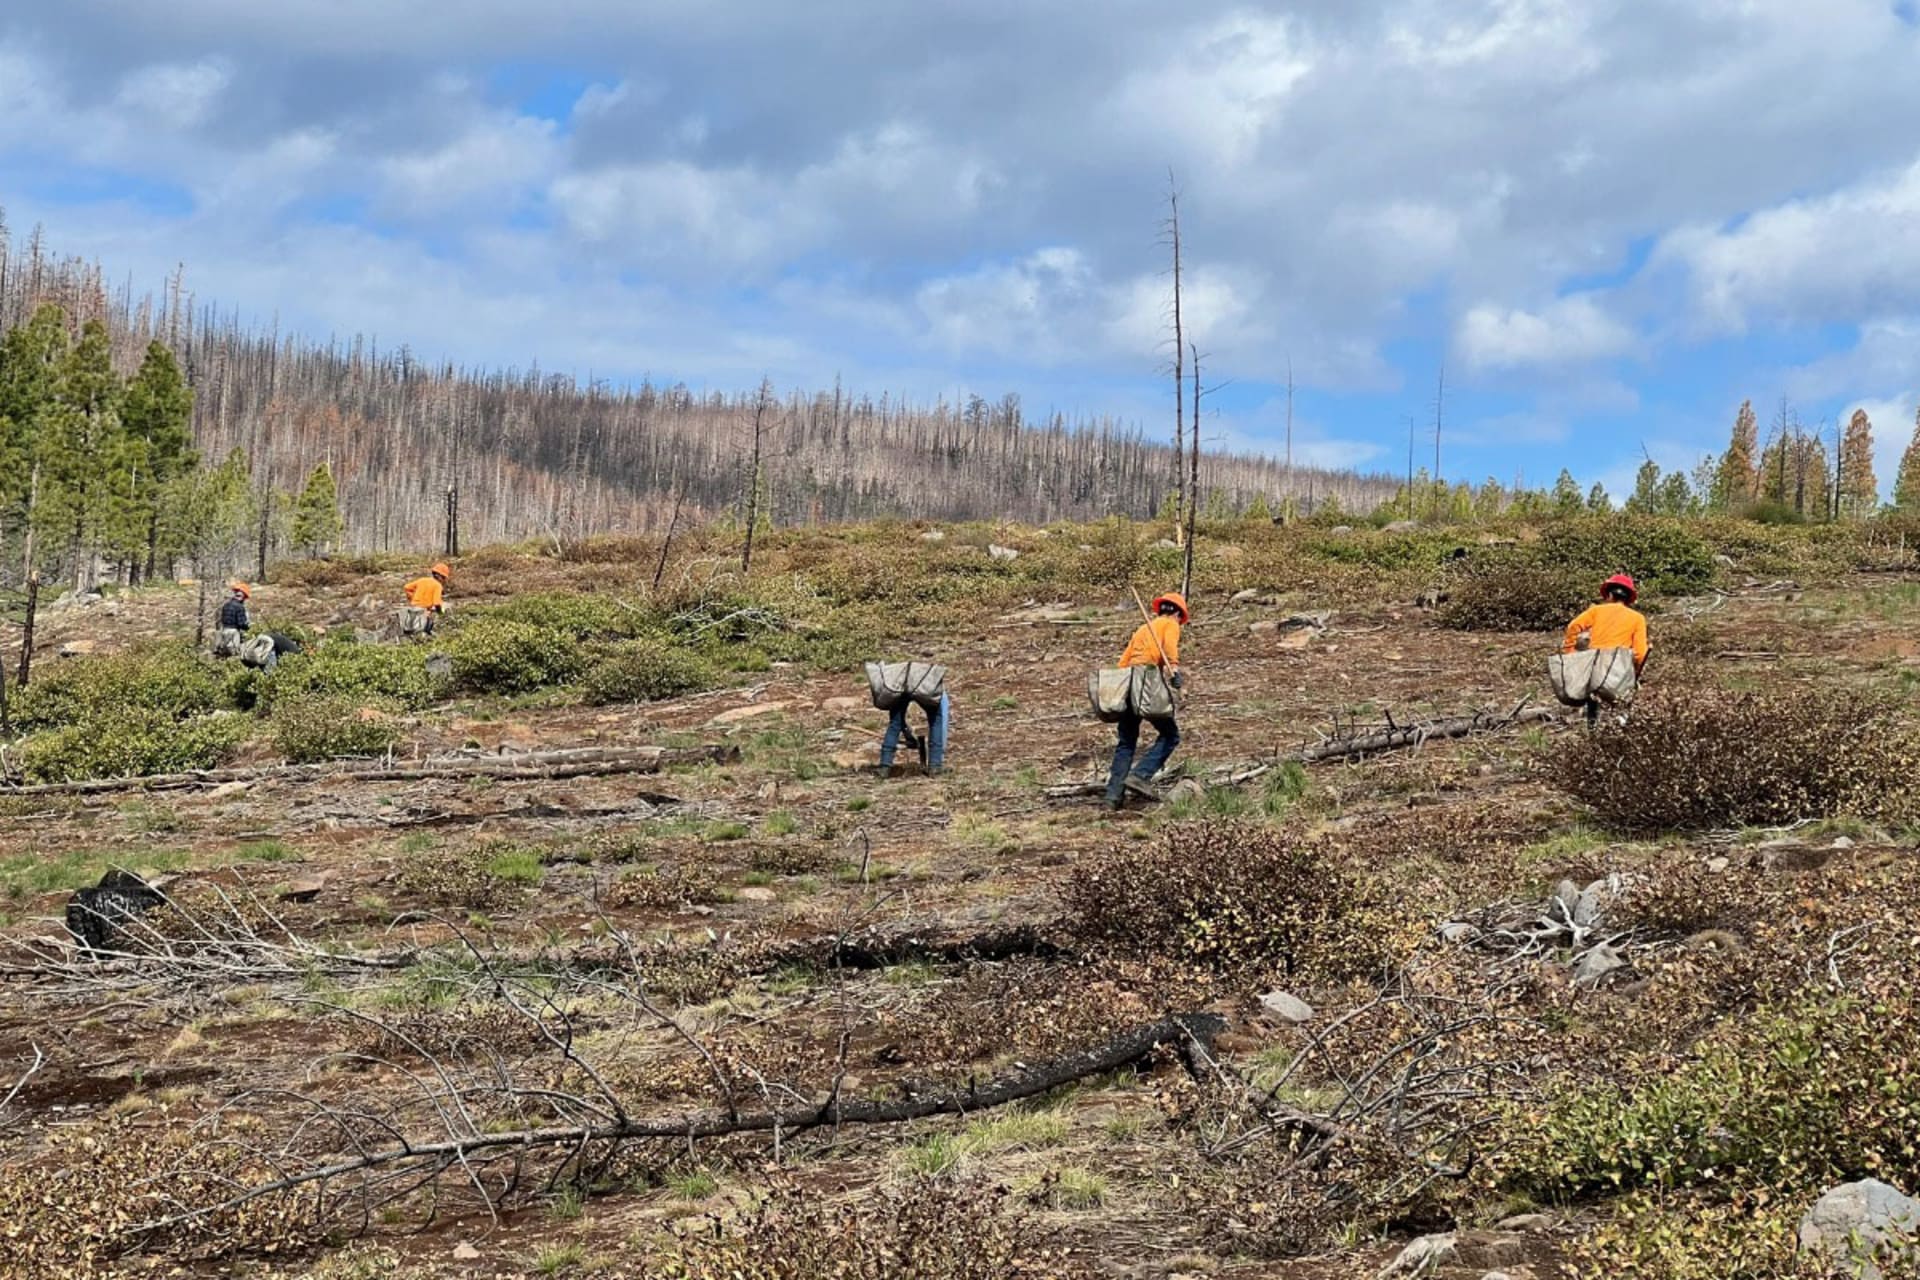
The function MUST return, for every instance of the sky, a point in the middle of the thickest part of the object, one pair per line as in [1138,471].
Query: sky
[1607,221]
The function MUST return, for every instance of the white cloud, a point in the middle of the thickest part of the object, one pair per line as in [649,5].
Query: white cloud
[1571,330]
[175,96]
[502,155]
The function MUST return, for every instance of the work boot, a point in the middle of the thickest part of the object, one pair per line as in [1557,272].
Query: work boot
[1116,803]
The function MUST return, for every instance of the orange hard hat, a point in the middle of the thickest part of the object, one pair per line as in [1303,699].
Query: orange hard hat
[240,589]
[1178,601]
[441,571]
[1622,580]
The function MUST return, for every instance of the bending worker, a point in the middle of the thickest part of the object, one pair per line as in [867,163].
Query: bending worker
[1611,624]
[1156,643]
[932,749]
[428,594]
[233,613]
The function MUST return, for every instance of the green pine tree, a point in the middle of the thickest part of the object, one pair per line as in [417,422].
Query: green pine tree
[1597,501]
[316,514]
[85,460]
[1645,499]
[1258,512]
[157,416]
[1675,495]
[1906,484]
[1567,499]
[30,359]
[1737,481]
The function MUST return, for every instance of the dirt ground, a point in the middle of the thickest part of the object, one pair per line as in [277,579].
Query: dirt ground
[797,840]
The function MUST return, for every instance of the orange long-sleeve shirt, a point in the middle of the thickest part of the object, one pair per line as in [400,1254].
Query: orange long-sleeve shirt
[1141,651]
[1611,625]
[424,593]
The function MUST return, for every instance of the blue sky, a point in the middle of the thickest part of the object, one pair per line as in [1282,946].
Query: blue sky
[1608,222]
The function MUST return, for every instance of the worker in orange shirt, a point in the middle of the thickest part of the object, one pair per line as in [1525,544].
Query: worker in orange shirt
[1155,643]
[428,595]
[1611,624]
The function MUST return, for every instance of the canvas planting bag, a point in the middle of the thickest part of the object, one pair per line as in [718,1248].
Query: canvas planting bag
[1152,695]
[226,642]
[1571,675]
[892,683]
[258,651]
[1599,675]
[1110,689]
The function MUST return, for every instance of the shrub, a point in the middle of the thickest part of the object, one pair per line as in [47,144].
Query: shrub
[1516,599]
[504,656]
[395,674]
[1694,757]
[1665,556]
[647,672]
[165,680]
[933,1229]
[1228,895]
[133,742]
[583,615]
[325,726]
[463,878]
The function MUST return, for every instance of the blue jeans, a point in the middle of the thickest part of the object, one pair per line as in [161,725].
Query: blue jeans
[1151,763]
[938,718]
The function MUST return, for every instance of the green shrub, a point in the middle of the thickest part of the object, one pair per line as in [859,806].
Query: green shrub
[326,726]
[1694,756]
[1229,895]
[131,742]
[1515,599]
[463,878]
[1665,556]
[168,681]
[393,673]
[647,672]
[503,656]
[582,615]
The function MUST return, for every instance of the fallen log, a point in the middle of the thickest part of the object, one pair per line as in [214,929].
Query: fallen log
[578,762]
[871,951]
[1178,1031]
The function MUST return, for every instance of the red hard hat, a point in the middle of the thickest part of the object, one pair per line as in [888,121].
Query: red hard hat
[1623,580]
[1178,601]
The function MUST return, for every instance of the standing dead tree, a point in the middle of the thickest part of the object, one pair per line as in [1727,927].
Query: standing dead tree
[1193,479]
[762,404]
[1183,497]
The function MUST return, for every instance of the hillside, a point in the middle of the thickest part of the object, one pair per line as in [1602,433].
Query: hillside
[535,454]
[705,996]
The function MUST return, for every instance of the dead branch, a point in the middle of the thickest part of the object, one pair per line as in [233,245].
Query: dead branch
[1015,1086]
[571,762]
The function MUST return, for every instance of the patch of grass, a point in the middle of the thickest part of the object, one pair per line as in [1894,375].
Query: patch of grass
[721,832]
[555,1259]
[982,833]
[914,973]
[567,1205]
[781,823]
[693,1184]
[516,864]
[859,804]
[1014,1130]
[1072,1189]
[1283,788]
[932,1156]
[1005,702]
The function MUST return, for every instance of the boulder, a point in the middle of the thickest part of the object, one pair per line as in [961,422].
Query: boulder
[934,535]
[1858,1225]
[1424,1256]
[1296,637]
[305,889]
[1527,1223]
[999,552]
[1457,931]
[1166,544]
[845,705]
[1401,526]
[78,648]
[1264,627]
[1286,1007]
[757,893]
[1249,596]
[1341,530]
[753,711]
[1596,963]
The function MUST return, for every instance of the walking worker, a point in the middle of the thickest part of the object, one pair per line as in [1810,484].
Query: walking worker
[1613,623]
[1156,643]
[426,600]
[932,749]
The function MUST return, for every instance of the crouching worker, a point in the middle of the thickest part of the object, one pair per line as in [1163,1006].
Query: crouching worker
[1611,625]
[263,652]
[896,686]
[426,601]
[1155,649]
[234,621]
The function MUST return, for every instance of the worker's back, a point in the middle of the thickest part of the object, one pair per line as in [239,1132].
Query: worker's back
[1154,644]
[1611,625]
[424,593]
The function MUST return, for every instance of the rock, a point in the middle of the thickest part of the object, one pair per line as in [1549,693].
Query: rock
[1249,596]
[228,790]
[1287,1007]
[1849,1228]
[77,648]
[1586,907]
[1843,842]
[305,889]
[1423,1257]
[757,893]
[841,706]
[1187,789]
[999,552]
[1725,561]
[440,666]
[1166,544]
[753,711]
[1527,1223]
[1483,1250]
[1401,526]
[464,1252]
[1341,530]
[851,759]
[934,535]
[1596,963]
[1296,637]
[1566,896]
[1457,931]
[1265,627]
[1719,863]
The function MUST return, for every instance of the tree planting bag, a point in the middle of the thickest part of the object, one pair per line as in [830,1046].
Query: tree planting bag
[1152,695]
[1571,675]
[892,683]
[1110,690]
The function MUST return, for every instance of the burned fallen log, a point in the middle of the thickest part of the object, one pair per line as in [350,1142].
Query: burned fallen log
[872,951]
[543,766]
[1179,1032]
